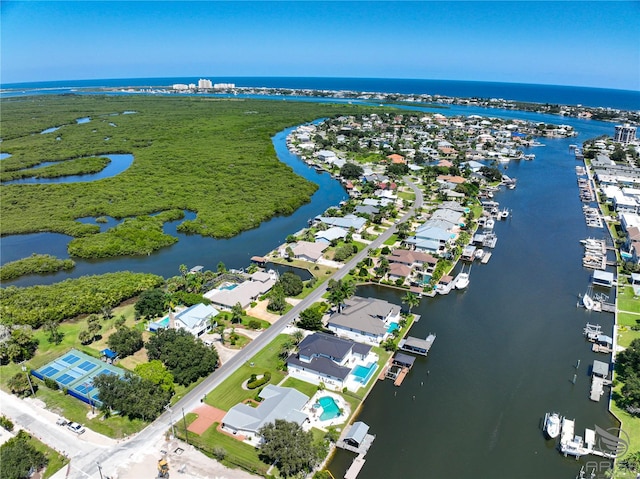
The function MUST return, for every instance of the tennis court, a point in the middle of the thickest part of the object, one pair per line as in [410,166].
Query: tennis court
[75,371]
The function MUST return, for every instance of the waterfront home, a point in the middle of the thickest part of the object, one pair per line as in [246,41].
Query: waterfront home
[452,216]
[259,283]
[368,210]
[195,319]
[347,222]
[307,251]
[329,235]
[431,239]
[326,155]
[414,259]
[366,320]
[398,271]
[329,360]
[380,202]
[277,403]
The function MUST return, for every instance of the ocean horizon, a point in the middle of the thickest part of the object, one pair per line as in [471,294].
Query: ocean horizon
[525,92]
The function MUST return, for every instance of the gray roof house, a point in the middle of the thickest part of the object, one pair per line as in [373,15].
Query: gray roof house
[356,434]
[365,320]
[278,403]
[451,216]
[322,358]
[196,319]
[346,222]
[366,210]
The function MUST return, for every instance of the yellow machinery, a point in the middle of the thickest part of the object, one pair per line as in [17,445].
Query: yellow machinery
[163,469]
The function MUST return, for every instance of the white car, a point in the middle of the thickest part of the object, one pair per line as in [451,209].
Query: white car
[75,427]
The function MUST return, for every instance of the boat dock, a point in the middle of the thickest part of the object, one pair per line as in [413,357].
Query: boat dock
[417,345]
[485,259]
[400,367]
[356,438]
[599,375]
[577,446]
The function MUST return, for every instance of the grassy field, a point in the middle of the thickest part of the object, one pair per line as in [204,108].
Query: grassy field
[230,392]
[627,300]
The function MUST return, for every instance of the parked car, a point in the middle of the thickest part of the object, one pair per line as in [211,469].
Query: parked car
[75,427]
[62,421]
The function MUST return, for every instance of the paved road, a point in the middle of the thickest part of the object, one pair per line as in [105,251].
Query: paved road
[85,464]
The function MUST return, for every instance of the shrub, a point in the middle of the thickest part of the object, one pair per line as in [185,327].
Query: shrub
[254,324]
[6,423]
[51,384]
[256,383]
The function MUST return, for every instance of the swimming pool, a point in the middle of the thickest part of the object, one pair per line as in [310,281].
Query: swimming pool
[162,324]
[362,374]
[228,286]
[330,409]
[392,327]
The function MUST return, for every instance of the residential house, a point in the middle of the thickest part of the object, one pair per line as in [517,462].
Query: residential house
[195,319]
[431,239]
[330,234]
[277,403]
[366,320]
[346,222]
[413,259]
[308,251]
[259,283]
[327,359]
[398,271]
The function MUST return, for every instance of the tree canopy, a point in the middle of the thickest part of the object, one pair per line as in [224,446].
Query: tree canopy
[131,395]
[628,366]
[157,373]
[351,171]
[291,284]
[186,357]
[125,341]
[311,319]
[289,446]
[18,457]
[151,303]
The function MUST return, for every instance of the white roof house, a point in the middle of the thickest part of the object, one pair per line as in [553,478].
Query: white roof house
[365,320]
[195,319]
[328,235]
[258,284]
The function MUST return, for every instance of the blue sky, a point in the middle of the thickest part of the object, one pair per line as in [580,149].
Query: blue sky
[564,43]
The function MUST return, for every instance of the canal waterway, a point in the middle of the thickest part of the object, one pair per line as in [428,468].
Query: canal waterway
[506,347]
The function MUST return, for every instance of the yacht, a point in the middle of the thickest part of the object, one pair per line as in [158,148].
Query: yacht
[462,280]
[552,425]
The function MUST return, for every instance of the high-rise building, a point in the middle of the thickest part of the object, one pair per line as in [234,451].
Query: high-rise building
[204,84]
[625,134]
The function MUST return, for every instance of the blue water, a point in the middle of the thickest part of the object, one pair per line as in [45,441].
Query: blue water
[554,94]
[229,286]
[363,373]
[117,165]
[330,409]
[392,327]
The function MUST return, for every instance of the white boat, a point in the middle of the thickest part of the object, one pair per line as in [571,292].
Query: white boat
[587,302]
[504,214]
[478,254]
[552,425]
[490,223]
[462,280]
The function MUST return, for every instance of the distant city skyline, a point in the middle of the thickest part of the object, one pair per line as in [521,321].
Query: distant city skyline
[592,44]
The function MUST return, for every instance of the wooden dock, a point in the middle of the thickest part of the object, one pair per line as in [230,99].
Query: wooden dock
[485,259]
[355,468]
[400,377]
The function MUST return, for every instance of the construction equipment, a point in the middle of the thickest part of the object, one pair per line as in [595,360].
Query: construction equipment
[163,469]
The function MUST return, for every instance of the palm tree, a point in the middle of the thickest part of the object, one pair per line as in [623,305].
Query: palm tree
[297,336]
[236,313]
[411,300]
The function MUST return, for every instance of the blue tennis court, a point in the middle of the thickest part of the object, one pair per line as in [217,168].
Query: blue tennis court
[74,372]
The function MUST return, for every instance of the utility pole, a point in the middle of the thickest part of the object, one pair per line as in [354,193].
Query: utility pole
[186,433]
[99,469]
[24,369]
[173,431]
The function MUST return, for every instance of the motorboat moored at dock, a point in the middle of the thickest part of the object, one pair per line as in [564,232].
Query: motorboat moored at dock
[552,425]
